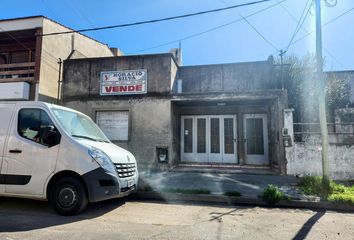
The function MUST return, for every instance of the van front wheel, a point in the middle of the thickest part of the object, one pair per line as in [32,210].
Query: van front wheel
[68,196]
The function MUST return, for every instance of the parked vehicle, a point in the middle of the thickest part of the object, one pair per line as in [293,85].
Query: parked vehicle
[55,153]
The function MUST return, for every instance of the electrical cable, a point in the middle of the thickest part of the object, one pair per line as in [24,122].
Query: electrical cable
[326,50]
[24,46]
[206,31]
[300,22]
[325,24]
[260,34]
[158,20]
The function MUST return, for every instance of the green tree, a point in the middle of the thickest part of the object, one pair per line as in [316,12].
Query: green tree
[300,82]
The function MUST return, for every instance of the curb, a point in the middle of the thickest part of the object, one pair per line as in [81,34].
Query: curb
[226,200]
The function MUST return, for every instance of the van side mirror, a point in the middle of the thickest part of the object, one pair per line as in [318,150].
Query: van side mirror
[50,136]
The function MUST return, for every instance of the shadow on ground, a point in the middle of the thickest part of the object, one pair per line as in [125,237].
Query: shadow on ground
[25,215]
[249,185]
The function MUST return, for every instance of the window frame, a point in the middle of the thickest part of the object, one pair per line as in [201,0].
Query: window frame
[96,111]
[39,109]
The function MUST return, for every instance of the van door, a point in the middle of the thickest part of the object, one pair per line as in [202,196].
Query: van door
[28,161]
[6,110]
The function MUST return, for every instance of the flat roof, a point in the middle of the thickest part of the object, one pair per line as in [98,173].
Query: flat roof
[42,16]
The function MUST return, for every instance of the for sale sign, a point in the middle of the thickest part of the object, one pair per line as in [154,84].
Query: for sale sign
[123,82]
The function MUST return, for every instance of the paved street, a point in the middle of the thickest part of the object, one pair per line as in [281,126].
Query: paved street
[26,219]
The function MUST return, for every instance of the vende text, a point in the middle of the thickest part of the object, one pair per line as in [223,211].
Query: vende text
[124,88]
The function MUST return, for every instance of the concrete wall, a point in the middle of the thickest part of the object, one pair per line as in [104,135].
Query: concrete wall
[81,76]
[235,77]
[60,46]
[305,158]
[148,128]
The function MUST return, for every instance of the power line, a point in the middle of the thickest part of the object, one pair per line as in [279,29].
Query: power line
[254,28]
[24,46]
[208,30]
[83,16]
[300,22]
[160,19]
[327,51]
[325,24]
[50,10]
[260,34]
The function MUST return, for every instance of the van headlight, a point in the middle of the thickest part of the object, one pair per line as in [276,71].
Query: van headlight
[102,159]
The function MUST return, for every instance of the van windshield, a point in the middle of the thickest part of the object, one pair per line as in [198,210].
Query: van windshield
[78,125]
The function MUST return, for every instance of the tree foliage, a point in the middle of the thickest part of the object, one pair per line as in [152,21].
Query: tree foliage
[299,76]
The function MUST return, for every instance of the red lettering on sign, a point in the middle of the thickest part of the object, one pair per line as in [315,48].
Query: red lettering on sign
[138,88]
[108,89]
[122,88]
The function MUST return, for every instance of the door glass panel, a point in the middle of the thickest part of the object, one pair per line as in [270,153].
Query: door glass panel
[201,135]
[229,135]
[188,135]
[35,125]
[254,135]
[214,135]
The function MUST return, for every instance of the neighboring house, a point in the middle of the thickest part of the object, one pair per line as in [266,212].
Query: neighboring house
[169,115]
[29,66]
[305,156]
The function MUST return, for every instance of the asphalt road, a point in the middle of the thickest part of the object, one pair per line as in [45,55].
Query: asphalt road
[117,219]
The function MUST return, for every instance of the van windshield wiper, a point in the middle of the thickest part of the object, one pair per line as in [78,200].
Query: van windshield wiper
[86,137]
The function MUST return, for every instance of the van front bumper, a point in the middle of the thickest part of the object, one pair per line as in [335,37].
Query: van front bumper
[102,185]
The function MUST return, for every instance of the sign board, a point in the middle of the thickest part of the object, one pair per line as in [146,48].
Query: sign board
[123,82]
[114,124]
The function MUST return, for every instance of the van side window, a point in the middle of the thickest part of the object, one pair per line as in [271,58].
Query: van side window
[32,123]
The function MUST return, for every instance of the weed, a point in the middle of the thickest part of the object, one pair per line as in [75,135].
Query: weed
[271,194]
[336,192]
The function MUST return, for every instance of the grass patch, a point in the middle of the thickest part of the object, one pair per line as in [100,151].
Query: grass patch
[186,191]
[271,194]
[336,192]
[232,194]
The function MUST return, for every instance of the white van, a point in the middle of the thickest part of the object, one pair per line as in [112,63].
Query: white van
[55,153]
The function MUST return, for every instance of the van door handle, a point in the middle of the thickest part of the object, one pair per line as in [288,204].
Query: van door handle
[15,151]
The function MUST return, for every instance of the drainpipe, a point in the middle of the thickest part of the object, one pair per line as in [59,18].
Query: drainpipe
[59,79]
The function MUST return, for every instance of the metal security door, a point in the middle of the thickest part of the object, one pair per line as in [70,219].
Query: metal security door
[187,139]
[229,139]
[208,139]
[256,139]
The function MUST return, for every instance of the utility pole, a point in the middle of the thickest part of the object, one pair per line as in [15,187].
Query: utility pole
[321,97]
[281,54]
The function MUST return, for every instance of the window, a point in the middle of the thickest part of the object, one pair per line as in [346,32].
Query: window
[79,125]
[114,124]
[33,123]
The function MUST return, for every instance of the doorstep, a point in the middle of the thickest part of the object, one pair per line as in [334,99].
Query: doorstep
[228,169]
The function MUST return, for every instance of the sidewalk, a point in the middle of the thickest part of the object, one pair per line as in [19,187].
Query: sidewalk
[249,185]
[153,185]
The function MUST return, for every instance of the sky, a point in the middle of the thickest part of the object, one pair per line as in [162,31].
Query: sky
[234,42]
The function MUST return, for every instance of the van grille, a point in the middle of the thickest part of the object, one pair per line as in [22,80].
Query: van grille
[125,170]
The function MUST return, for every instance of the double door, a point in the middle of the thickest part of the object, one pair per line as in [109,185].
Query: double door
[213,139]
[209,139]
